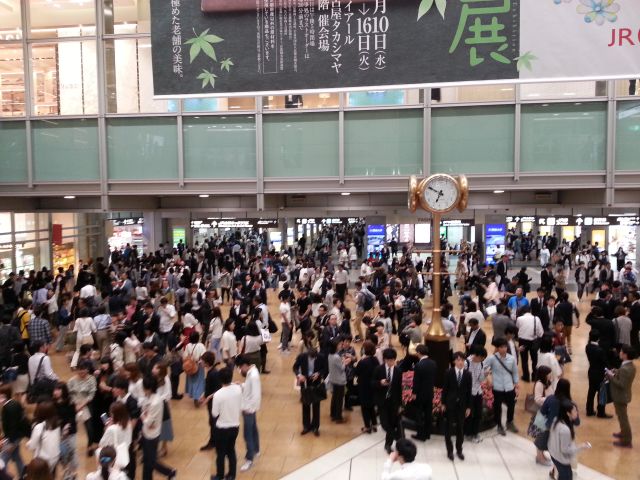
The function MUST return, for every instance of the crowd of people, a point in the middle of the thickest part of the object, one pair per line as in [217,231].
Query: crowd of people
[134,325]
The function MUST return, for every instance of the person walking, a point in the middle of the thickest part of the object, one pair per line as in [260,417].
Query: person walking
[504,373]
[530,330]
[364,372]
[251,400]
[424,375]
[621,381]
[226,409]
[387,382]
[15,427]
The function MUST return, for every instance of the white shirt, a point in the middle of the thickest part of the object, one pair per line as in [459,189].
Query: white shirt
[194,351]
[114,435]
[115,474]
[341,277]
[229,345]
[227,406]
[85,326]
[408,471]
[215,327]
[285,312]
[529,327]
[152,408]
[477,315]
[189,321]
[45,444]
[251,391]
[45,371]
[167,318]
[88,291]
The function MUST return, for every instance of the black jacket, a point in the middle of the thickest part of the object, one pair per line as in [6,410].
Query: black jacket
[365,369]
[607,331]
[454,395]
[14,424]
[479,339]
[301,366]
[546,280]
[394,391]
[424,375]
[597,362]
[536,306]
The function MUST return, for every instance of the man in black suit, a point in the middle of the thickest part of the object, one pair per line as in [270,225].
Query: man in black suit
[456,402]
[501,270]
[606,302]
[238,314]
[597,364]
[329,334]
[310,369]
[476,335]
[387,387]
[386,303]
[548,314]
[538,303]
[424,374]
[605,328]
[212,384]
[547,281]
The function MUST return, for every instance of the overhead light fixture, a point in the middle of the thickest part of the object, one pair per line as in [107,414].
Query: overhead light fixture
[498,191]
[69,197]
[578,214]
[204,195]
[345,194]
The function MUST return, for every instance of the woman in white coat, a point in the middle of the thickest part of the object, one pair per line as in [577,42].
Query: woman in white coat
[108,469]
[46,435]
[84,327]
[118,434]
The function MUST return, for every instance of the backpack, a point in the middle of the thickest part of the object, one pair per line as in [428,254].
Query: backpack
[369,300]
[18,320]
[189,365]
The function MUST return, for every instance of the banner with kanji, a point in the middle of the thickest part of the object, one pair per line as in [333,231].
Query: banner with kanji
[223,47]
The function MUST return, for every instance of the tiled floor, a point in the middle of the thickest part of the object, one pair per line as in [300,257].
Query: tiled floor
[496,458]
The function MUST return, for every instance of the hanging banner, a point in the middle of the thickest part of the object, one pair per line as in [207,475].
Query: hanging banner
[227,47]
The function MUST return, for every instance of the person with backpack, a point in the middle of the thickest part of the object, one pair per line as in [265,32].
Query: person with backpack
[9,335]
[15,427]
[365,301]
[191,355]
[22,319]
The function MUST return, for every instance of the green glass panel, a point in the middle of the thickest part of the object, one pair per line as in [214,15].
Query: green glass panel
[142,148]
[383,142]
[628,136]
[472,139]
[301,145]
[220,147]
[13,152]
[65,150]
[562,137]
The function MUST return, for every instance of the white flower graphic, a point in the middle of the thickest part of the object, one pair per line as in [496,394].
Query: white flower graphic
[599,10]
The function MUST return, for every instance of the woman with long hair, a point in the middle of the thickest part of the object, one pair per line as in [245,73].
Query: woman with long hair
[66,412]
[542,389]
[82,388]
[132,374]
[562,445]
[108,469]
[118,431]
[38,469]
[195,382]
[215,332]
[45,436]
[103,398]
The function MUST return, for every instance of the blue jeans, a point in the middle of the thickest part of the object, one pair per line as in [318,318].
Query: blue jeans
[564,471]
[12,452]
[251,436]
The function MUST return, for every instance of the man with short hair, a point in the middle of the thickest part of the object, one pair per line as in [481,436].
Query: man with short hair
[504,372]
[40,364]
[529,331]
[456,403]
[424,376]
[341,278]
[387,383]
[39,329]
[517,302]
[621,381]
[226,408]
[251,399]
[405,454]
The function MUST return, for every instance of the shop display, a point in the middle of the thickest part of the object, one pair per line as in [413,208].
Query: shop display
[64,255]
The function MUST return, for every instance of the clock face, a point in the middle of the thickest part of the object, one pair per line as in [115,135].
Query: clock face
[441,193]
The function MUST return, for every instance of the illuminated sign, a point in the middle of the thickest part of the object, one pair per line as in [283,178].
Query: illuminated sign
[235,223]
[121,222]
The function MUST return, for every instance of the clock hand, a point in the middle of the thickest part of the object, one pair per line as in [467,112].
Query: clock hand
[433,189]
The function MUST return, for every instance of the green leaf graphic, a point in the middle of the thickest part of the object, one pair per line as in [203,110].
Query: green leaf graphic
[524,61]
[207,78]
[203,43]
[225,64]
[425,6]
[441,5]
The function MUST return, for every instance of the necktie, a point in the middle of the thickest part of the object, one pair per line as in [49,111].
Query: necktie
[459,377]
[388,375]
[551,316]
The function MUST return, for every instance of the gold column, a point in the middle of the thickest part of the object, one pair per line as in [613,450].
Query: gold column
[435,329]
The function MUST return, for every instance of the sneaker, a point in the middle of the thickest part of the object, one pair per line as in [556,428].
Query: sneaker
[512,428]
[247,465]
[502,432]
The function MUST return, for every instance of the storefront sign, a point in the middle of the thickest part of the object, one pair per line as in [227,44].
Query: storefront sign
[221,47]
[329,221]
[578,221]
[56,233]
[121,222]
[457,223]
[235,223]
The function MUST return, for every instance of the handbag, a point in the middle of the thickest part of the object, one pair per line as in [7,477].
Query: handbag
[604,393]
[40,387]
[530,404]
[313,393]
[266,336]
[540,421]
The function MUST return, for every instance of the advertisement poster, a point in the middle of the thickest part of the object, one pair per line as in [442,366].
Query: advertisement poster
[375,237]
[407,233]
[495,239]
[222,47]
[393,232]
[624,237]
[423,233]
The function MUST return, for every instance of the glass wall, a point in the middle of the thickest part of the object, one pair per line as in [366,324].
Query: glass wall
[628,136]
[472,139]
[220,147]
[385,142]
[13,152]
[308,101]
[301,145]
[562,137]
[11,80]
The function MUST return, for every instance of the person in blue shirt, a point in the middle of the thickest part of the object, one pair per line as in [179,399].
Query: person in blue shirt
[504,378]
[517,302]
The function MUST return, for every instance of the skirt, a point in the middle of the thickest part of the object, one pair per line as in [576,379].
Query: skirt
[195,384]
[166,433]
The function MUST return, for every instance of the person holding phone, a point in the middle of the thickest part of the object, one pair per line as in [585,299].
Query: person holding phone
[562,445]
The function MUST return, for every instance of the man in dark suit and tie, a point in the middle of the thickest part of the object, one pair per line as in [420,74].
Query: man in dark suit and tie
[621,381]
[456,402]
[598,362]
[238,314]
[538,303]
[501,270]
[387,387]
[476,335]
[548,314]
[310,369]
[386,303]
[547,280]
[424,374]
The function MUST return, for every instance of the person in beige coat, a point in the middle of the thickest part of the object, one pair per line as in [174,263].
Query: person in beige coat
[621,381]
